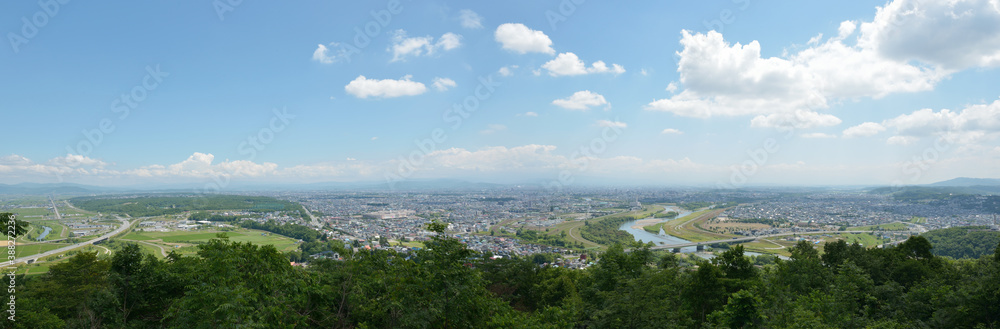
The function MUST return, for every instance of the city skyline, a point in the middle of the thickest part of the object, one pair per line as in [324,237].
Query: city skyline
[731,93]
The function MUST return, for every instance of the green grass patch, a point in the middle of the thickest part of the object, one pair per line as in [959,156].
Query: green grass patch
[26,212]
[31,249]
[918,220]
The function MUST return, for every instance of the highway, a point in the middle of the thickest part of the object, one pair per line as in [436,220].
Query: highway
[752,238]
[125,226]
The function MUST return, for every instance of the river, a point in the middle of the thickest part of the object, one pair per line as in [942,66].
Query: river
[642,236]
[663,238]
[44,233]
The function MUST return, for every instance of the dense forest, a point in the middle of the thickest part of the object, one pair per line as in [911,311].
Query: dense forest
[963,242]
[174,204]
[235,285]
[605,230]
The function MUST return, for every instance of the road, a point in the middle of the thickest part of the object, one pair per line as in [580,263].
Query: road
[56,210]
[125,226]
[752,238]
[315,223]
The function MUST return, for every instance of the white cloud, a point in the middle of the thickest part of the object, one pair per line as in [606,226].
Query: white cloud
[507,70]
[362,87]
[351,159]
[846,29]
[442,84]
[493,128]
[733,79]
[818,135]
[323,54]
[815,40]
[672,86]
[952,34]
[520,39]
[581,100]
[200,165]
[863,130]
[403,47]
[671,131]
[470,19]
[798,119]
[611,124]
[375,138]
[570,64]
[528,114]
[971,126]
[76,160]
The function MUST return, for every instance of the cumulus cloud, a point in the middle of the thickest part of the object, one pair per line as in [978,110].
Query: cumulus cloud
[528,114]
[570,64]
[362,87]
[442,84]
[863,130]
[671,131]
[723,79]
[969,126]
[520,39]
[952,34]
[798,119]
[322,55]
[76,160]
[470,19]
[403,46]
[611,124]
[581,100]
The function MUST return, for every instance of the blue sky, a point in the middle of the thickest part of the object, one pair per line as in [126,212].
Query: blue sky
[722,93]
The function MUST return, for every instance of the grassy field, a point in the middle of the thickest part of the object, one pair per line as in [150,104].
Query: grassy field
[31,249]
[918,220]
[864,239]
[687,227]
[59,231]
[183,238]
[882,227]
[32,212]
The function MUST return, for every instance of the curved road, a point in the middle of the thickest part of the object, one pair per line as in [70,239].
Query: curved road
[125,225]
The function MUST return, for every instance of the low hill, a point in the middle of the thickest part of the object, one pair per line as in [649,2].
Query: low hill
[963,242]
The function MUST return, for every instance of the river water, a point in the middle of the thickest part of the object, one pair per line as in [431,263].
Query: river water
[642,236]
[44,233]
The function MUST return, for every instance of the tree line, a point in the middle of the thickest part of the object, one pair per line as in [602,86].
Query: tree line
[232,284]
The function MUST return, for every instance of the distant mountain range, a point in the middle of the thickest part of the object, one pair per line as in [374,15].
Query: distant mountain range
[967,182]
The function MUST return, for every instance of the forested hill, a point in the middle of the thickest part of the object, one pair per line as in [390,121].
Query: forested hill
[156,205]
[241,285]
[963,242]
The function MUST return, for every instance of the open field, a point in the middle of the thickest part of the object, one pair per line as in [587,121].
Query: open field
[688,228]
[29,213]
[729,227]
[171,239]
[31,249]
[918,220]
